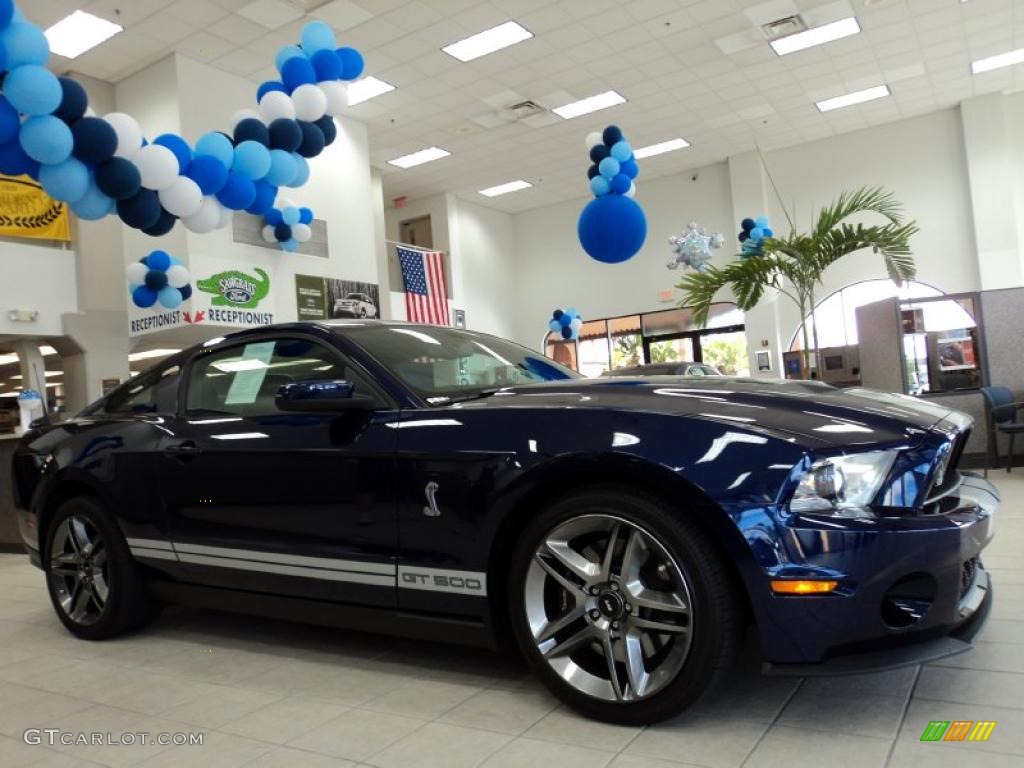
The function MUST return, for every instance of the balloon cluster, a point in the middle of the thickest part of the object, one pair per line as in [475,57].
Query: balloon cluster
[752,235]
[612,228]
[693,248]
[287,225]
[566,323]
[159,277]
[104,165]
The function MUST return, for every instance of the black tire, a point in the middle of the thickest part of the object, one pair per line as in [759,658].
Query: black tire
[127,604]
[716,619]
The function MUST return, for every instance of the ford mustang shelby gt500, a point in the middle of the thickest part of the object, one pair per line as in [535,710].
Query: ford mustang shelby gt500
[437,483]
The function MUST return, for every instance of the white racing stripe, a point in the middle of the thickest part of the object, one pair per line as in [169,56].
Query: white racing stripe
[324,574]
[153,554]
[150,544]
[360,566]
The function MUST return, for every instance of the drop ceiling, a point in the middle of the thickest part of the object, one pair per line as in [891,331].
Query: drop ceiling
[696,69]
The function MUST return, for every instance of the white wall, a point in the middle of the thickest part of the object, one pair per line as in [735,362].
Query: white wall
[37,277]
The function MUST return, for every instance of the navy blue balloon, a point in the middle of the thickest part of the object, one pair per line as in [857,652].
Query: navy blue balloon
[95,140]
[141,211]
[593,171]
[747,224]
[156,279]
[598,152]
[163,225]
[74,101]
[297,71]
[267,87]
[118,178]
[743,236]
[178,146]
[327,65]
[209,173]
[238,193]
[611,135]
[312,139]
[251,129]
[282,232]
[285,134]
[305,215]
[351,63]
[273,217]
[264,200]
[612,228]
[186,291]
[630,168]
[328,129]
[14,161]
[10,123]
[566,331]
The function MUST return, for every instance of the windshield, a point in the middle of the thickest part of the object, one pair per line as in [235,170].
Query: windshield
[445,364]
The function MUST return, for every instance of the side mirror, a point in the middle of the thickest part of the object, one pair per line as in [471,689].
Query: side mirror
[322,396]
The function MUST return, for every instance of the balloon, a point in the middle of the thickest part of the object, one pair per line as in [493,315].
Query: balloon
[93,205]
[73,102]
[14,161]
[25,44]
[141,210]
[251,129]
[68,181]
[282,168]
[337,96]
[302,232]
[290,216]
[761,222]
[327,128]
[169,297]
[6,12]
[305,215]
[158,260]
[217,145]
[565,319]
[186,292]
[206,219]
[599,186]
[297,71]
[163,225]
[143,297]
[94,140]
[351,63]
[208,172]
[768,232]
[251,159]
[238,193]
[182,197]
[129,134]
[177,276]
[276,105]
[158,167]
[608,167]
[285,134]
[136,272]
[612,228]
[283,232]
[268,234]
[302,172]
[273,217]
[310,102]
[264,200]
[156,279]
[747,224]
[284,53]
[621,151]
[312,140]
[555,326]
[290,245]
[593,139]
[611,135]
[566,332]
[317,36]
[10,123]
[326,64]
[598,153]
[756,233]
[620,183]
[118,178]
[46,139]
[630,168]
[267,87]
[182,151]
[33,90]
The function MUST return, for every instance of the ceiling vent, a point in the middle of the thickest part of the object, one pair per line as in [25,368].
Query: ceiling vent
[524,109]
[790,25]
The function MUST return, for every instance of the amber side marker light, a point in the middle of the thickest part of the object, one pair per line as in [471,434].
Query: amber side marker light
[803,587]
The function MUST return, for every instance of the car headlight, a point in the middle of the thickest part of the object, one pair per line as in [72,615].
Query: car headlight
[842,486]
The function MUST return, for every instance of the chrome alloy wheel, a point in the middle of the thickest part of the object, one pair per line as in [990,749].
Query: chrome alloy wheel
[609,608]
[78,570]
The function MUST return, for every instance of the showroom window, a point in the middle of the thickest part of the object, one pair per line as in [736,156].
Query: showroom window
[941,344]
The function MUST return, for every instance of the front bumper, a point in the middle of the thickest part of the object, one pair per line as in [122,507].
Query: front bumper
[911,589]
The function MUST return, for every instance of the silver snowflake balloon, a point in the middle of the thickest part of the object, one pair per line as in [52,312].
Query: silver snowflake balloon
[693,248]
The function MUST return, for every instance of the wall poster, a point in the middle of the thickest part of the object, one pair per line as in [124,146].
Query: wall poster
[323,298]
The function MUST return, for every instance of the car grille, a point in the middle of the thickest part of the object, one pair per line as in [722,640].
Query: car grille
[967,572]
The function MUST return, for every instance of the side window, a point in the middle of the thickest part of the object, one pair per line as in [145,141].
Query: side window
[243,380]
[155,391]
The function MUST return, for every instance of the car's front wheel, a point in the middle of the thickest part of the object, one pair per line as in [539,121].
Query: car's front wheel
[625,609]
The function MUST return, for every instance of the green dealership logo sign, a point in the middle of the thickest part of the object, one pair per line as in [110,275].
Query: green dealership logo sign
[234,288]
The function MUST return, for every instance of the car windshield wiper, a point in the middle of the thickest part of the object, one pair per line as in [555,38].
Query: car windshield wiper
[479,394]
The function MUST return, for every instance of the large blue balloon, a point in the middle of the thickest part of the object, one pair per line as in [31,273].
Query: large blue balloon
[612,228]
[73,102]
[14,161]
[312,139]
[282,168]
[286,52]
[264,200]
[33,90]
[268,86]
[351,63]
[93,205]
[251,129]
[163,225]
[239,192]
[25,43]
[95,140]
[252,159]
[141,210]
[297,71]
[285,134]
[178,146]
[68,181]
[216,145]
[9,122]
[143,297]
[317,36]
[327,65]
[118,178]
[302,172]
[46,139]
[209,173]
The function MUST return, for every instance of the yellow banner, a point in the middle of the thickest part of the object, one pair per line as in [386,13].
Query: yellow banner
[27,211]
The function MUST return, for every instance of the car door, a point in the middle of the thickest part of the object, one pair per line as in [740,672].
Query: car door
[299,504]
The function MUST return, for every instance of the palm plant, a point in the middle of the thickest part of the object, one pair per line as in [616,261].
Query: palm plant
[794,265]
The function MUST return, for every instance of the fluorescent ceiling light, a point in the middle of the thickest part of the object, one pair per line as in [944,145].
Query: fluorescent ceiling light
[488,41]
[504,189]
[75,34]
[46,374]
[589,104]
[151,353]
[857,97]
[660,148]
[826,33]
[999,61]
[366,88]
[418,158]
[45,350]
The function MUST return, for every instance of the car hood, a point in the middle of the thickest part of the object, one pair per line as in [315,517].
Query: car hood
[820,414]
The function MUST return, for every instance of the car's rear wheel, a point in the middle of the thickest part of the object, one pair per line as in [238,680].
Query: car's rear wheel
[94,584]
[625,609]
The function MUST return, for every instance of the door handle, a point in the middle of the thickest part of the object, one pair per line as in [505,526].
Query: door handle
[186,449]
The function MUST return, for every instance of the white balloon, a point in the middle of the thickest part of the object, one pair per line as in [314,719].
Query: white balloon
[136,272]
[244,114]
[310,102]
[177,276]
[205,219]
[182,197]
[268,234]
[157,166]
[336,93]
[129,134]
[276,104]
[593,139]
[301,232]
[225,217]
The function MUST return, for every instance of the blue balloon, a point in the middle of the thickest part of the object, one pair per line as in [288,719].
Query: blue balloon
[118,178]
[327,128]
[598,152]
[351,63]
[291,245]
[608,167]
[302,174]
[95,140]
[305,215]
[93,205]
[68,181]
[297,71]
[290,216]
[163,225]
[264,201]
[571,312]
[285,53]
[141,210]
[567,332]
[216,145]
[156,279]
[178,146]
[283,232]
[169,297]
[268,86]
[620,183]
[209,173]
[272,217]
[326,64]
[317,36]
[747,224]
[6,12]
[14,161]
[160,260]
[282,168]
[630,168]
[592,171]
[756,233]
[599,186]
[611,135]
[621,151]
[285,134]
[565,319]
[186,292]
[10,123]
[73,102]
[555,326]
[46,139]
[33,90]
[313,139]
[251,159]
[238,193]
[767,232]
[251,129]
[143,297]
[612,228]
[25,43]
[761,222]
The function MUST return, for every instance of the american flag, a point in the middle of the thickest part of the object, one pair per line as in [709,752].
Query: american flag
[426,292]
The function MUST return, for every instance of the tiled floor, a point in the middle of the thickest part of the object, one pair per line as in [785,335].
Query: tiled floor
[268,694]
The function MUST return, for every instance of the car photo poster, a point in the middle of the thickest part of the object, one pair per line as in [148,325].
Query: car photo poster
[322,298]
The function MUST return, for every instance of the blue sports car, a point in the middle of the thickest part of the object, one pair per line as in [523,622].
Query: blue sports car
[623,534]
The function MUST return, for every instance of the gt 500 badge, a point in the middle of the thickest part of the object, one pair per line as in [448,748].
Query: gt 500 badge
[457,582]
